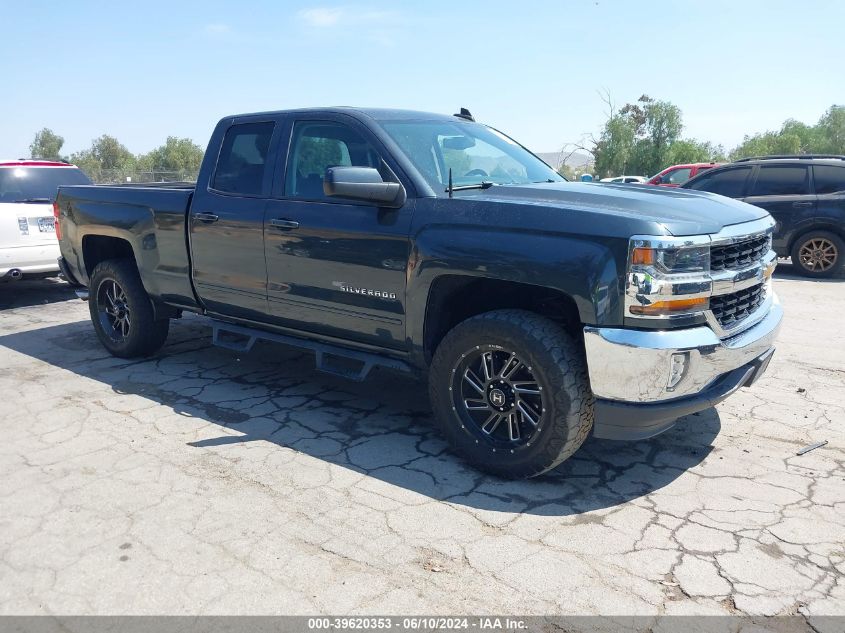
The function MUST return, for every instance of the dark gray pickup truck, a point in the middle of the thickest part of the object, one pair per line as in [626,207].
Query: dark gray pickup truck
[539,310]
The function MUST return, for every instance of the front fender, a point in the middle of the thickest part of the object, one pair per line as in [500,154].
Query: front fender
[582,268]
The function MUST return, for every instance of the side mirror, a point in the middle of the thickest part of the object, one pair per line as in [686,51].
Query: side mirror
[363,183]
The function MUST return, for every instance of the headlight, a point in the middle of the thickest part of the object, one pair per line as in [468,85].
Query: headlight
[692,259]
[668,277]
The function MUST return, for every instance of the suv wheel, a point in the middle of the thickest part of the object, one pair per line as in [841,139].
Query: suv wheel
[818,254]
[510,391]
[122,313]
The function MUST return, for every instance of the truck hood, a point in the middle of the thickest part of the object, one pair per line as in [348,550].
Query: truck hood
[644,209]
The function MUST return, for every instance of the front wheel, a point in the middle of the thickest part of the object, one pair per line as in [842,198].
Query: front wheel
[122,313]
[510,391]
[818,254]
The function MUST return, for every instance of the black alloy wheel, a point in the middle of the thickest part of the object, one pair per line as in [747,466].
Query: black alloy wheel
[497,397]
[122,312]
[114,311]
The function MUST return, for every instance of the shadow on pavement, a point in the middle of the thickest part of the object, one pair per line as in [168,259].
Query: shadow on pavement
[24,293]
[381,427]
[787,270]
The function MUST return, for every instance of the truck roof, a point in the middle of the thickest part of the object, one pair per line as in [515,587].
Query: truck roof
[379,114]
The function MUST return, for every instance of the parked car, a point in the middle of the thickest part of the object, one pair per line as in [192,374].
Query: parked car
[806,196]
[626,179]
[28,245]
[541,310]
[676,175]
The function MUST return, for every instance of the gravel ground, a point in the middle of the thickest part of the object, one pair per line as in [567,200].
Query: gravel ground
[204,481]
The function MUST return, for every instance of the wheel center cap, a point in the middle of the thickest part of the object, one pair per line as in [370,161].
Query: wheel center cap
[500,395]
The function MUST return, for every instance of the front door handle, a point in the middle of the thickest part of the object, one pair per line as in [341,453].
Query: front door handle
[798,205]
[206,217]
[283,224]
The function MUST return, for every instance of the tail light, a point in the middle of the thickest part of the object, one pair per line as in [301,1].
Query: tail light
[56,223]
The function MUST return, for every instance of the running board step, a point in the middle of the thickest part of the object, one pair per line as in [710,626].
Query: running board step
[332,359]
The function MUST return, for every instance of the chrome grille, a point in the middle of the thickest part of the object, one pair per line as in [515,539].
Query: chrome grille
[739,254]
[732,308]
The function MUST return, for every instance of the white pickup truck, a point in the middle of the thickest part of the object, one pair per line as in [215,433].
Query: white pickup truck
[28,244]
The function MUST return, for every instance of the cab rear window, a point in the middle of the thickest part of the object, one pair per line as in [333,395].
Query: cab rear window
[20,183]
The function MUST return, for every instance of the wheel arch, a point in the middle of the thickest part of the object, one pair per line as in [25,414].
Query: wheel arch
[453,299]
[836,229]
[99,248]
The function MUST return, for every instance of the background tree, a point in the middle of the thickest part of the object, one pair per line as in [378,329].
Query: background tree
[615,148]
[178,156]
[644,137]
[693,151]
[827,136]
[107,160]
[46,145]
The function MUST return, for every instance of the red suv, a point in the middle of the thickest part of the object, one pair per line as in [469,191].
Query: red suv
[676,175]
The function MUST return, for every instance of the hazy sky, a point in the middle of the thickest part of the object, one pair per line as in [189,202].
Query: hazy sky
[532,69]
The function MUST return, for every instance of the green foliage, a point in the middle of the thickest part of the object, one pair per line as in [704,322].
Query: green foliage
[457,160]
[825,137]
[644,137]
[693,151]
[107,160]
[614,151]
[176,155]
[315,154]
[47,145]
[568,172]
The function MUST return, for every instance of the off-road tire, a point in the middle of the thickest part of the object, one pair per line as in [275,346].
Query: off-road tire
[144,335]
[558,364]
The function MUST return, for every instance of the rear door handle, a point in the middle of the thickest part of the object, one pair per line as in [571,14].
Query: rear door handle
[206,217]
[283,224]
[802,204]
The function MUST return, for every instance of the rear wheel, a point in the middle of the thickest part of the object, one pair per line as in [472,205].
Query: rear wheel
[510,392]
[818,254]
[122,312]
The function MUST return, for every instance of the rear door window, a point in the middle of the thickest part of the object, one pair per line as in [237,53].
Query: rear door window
[829,179]
[729,182]
[782,180]
[242,162]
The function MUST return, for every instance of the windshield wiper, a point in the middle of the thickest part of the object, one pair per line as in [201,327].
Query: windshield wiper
[484,184]
[35,201]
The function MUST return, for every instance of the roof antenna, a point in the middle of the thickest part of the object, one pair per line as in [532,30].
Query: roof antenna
[450,183]
[465,114]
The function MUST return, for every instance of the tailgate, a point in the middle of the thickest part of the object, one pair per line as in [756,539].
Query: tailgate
[26,224]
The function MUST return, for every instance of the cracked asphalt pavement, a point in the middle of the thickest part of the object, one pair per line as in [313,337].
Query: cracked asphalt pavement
[203,481]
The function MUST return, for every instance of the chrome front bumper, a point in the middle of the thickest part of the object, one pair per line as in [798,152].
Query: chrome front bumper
[639,366]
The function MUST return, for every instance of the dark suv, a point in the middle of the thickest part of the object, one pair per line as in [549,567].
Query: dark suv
[804,193]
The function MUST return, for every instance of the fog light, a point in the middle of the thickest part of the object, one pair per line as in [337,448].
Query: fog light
[677,369]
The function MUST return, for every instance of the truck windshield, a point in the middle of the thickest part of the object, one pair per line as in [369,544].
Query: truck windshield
[20,183]
[475,153]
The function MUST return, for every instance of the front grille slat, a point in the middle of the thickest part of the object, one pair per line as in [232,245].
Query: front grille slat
[732,308]
[740,254]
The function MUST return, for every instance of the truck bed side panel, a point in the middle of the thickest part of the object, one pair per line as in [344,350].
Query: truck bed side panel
[150,219]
